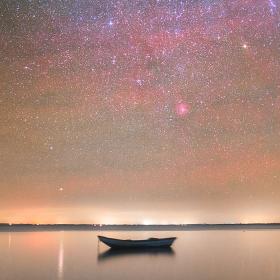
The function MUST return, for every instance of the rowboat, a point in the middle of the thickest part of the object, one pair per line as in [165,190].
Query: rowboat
[135,244]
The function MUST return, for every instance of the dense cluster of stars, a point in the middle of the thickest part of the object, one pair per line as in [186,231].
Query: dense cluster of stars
[113,105]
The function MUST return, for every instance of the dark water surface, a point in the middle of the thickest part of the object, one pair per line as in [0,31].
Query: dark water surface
[201,255]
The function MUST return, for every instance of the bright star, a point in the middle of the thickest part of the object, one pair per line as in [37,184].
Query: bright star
[139,82]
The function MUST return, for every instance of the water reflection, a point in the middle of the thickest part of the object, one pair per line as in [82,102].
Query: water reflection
[10,240]
[60,264]
[113,254]
[203,255]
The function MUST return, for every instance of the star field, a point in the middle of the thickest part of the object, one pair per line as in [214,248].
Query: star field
[123,111]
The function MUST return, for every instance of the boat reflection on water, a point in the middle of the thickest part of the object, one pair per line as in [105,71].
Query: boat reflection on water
[113,254]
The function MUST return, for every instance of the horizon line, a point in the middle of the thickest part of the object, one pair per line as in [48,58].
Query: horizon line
[124,224]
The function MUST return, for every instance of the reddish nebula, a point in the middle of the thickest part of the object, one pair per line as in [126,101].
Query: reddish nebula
[182,109]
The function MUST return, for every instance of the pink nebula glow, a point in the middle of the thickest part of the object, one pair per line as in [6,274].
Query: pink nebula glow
[182,109]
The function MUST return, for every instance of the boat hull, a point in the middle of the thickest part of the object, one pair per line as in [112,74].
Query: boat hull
[135,244]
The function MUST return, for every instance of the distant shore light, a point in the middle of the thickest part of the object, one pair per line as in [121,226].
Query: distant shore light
[147,222]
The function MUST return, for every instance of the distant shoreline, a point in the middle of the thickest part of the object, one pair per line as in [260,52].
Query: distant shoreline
[125,227]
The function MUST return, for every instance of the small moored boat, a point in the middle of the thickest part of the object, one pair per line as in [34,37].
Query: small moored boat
[135,244]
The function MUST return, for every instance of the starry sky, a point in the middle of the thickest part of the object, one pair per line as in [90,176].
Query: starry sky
[139,111]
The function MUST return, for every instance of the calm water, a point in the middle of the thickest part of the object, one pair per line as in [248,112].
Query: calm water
[199,255]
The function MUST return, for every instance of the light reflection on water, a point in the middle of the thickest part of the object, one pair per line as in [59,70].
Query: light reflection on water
[10,240]
[70,255]
[60,257]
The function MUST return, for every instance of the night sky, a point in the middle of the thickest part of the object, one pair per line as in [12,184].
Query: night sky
[139,111]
